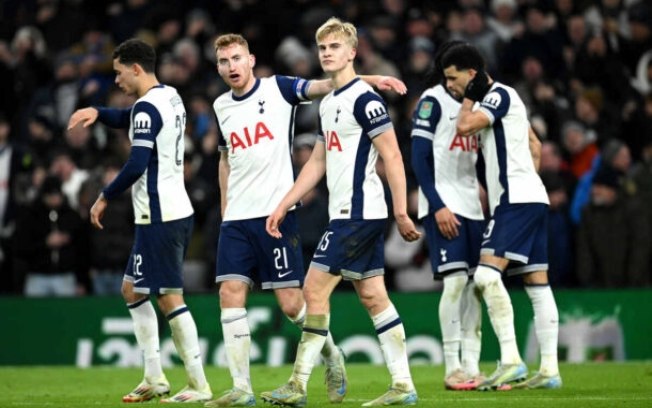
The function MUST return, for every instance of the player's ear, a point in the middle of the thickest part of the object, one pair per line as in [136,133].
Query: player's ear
[252,60]
[354,52]
[137,69]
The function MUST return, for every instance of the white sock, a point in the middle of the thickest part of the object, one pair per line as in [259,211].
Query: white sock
[450,308]
[146,330]
[330,352]
[501,313]
[184,335]
[315,329]
[237,342]
[546,326]
[471,329]
[391,335]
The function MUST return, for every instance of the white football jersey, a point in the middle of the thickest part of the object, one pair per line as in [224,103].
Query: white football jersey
[350,117]
[159,195]
[454,156]
[256,130]
[510,173]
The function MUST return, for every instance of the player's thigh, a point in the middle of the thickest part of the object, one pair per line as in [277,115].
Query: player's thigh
[352,248]
[156,263]
[280,261]
[453,255]
[512,232]
[236,257]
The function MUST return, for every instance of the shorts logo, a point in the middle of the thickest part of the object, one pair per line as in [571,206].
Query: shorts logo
[142,123]
[425,110]
[284,274]
[442,252]
[375,112]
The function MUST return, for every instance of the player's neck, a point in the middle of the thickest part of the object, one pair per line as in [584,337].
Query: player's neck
[343,77]
[245,89]
[148,83]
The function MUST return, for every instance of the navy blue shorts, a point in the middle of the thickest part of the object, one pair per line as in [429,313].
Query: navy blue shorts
[458,254]
[354,249]
[519,232]
[156,262]
[245,250]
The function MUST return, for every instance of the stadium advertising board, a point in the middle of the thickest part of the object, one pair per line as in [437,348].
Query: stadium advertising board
[594,325]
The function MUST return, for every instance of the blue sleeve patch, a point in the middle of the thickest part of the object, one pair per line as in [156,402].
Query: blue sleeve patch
[293,89]
[426,117]
[371,113]
[496,102]
[146,122]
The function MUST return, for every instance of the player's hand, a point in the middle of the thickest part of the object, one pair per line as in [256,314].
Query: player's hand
[389,83]
[447,223]
[86,116]
[406,228]
[478,87]
[273,222]
[97,211]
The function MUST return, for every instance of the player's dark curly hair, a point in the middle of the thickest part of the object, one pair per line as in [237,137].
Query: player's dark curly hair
[135,51]
[463,56]
[435,74]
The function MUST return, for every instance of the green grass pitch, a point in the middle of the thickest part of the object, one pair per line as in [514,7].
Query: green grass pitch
[585,385]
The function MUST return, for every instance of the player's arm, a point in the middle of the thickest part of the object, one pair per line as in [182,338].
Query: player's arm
[311,173]
[320,87]
[535,148]
[112,117]
[470,122]
[139,156]
[223,171]
[388,149]
[423,166]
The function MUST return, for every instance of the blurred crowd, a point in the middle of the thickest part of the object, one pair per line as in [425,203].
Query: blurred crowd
[583,68]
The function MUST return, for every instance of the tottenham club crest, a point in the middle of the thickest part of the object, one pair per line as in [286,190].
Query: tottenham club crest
[142,123]
[375,112]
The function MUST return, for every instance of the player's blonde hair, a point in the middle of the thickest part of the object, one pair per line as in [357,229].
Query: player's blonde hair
[226,40]
[338,27]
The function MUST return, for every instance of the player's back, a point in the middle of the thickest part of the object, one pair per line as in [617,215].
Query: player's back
[159,195]
[256,129]
[510,172]
[350,117]
[454,156]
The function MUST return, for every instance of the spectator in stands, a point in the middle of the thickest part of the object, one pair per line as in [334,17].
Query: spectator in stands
[615,154]
[15,168]
[111,246]
[51,245]
[613,248]
[560,231]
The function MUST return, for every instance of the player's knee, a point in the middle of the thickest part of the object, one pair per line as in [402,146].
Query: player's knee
[232,294]
[485,276]
[454,285]
[372,300]
[536,278]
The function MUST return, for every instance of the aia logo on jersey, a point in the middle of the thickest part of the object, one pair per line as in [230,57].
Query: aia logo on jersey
[466,143]
[142,123]
[248,138]
[375,112]
[332,141]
